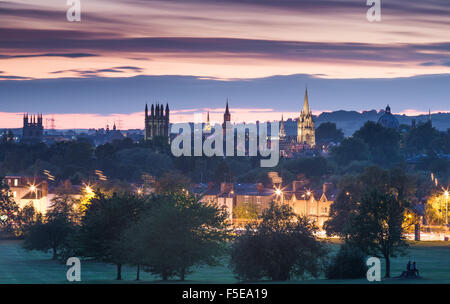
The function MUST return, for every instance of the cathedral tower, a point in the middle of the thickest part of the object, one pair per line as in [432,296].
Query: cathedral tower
[33,130]
[157,123]
[306,133]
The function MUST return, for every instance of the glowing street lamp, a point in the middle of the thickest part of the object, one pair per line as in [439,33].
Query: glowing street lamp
[88,190]
[33,189]
[279,193]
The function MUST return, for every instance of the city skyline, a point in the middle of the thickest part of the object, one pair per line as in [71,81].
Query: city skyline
[194,54]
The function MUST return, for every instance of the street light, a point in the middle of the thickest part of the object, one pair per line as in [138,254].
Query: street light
[279,193]
[88,190]
[33,189]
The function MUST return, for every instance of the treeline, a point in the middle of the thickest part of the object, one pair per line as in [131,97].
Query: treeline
[128,161]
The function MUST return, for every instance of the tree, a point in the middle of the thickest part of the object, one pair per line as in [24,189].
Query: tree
[350,149]
[8,212]
[369,211]
[26,218]
[223,173]
[280,247]
[53,231]
[247,211]
[352,188]
[327,132]
[49,235]
[384,143]
[172,182]
[104,221]
[424,139]
[376,226]
[176,233]
[349,263]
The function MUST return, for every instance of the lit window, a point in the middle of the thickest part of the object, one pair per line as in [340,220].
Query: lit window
[16,182]
[246,199]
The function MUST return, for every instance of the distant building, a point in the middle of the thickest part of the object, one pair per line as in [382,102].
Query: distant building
[157,123]
[314,204]
[26,190]
[226,118]
[207,127]
[388,120]
[33,129]
[306,133]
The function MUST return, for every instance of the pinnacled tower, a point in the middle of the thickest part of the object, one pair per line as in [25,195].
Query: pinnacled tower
[33,130]
[157,123]
[306,133]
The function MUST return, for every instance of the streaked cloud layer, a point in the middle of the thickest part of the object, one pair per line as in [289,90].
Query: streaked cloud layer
[224,39]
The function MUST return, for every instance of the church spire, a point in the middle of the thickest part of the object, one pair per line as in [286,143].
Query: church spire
[282,132]
[207,127]
[306,103]
[227,112]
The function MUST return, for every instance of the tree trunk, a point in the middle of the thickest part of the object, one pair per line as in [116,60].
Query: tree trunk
[119,272]
[138,272]
[182,274]
[55,255]
[164,276]
[388,267]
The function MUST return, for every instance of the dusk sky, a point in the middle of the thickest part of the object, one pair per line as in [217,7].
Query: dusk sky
[194,54]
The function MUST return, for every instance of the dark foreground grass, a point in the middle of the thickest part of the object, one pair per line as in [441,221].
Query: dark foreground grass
[20,266]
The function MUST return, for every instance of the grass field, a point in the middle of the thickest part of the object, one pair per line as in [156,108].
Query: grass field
[20,266]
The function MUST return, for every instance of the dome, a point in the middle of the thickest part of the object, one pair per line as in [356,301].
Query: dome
[388,120]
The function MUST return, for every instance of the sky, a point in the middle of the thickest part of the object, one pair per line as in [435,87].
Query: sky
[193,54]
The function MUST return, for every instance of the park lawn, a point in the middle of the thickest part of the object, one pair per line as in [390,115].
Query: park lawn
[32,267]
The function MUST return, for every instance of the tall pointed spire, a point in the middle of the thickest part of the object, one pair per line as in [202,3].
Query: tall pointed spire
[306,102]
[226,116]
[207,127]
[282,132]
[227,110]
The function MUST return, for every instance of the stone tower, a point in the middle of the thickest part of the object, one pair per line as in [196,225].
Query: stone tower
[33,129]
[157,122]
[306,133]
